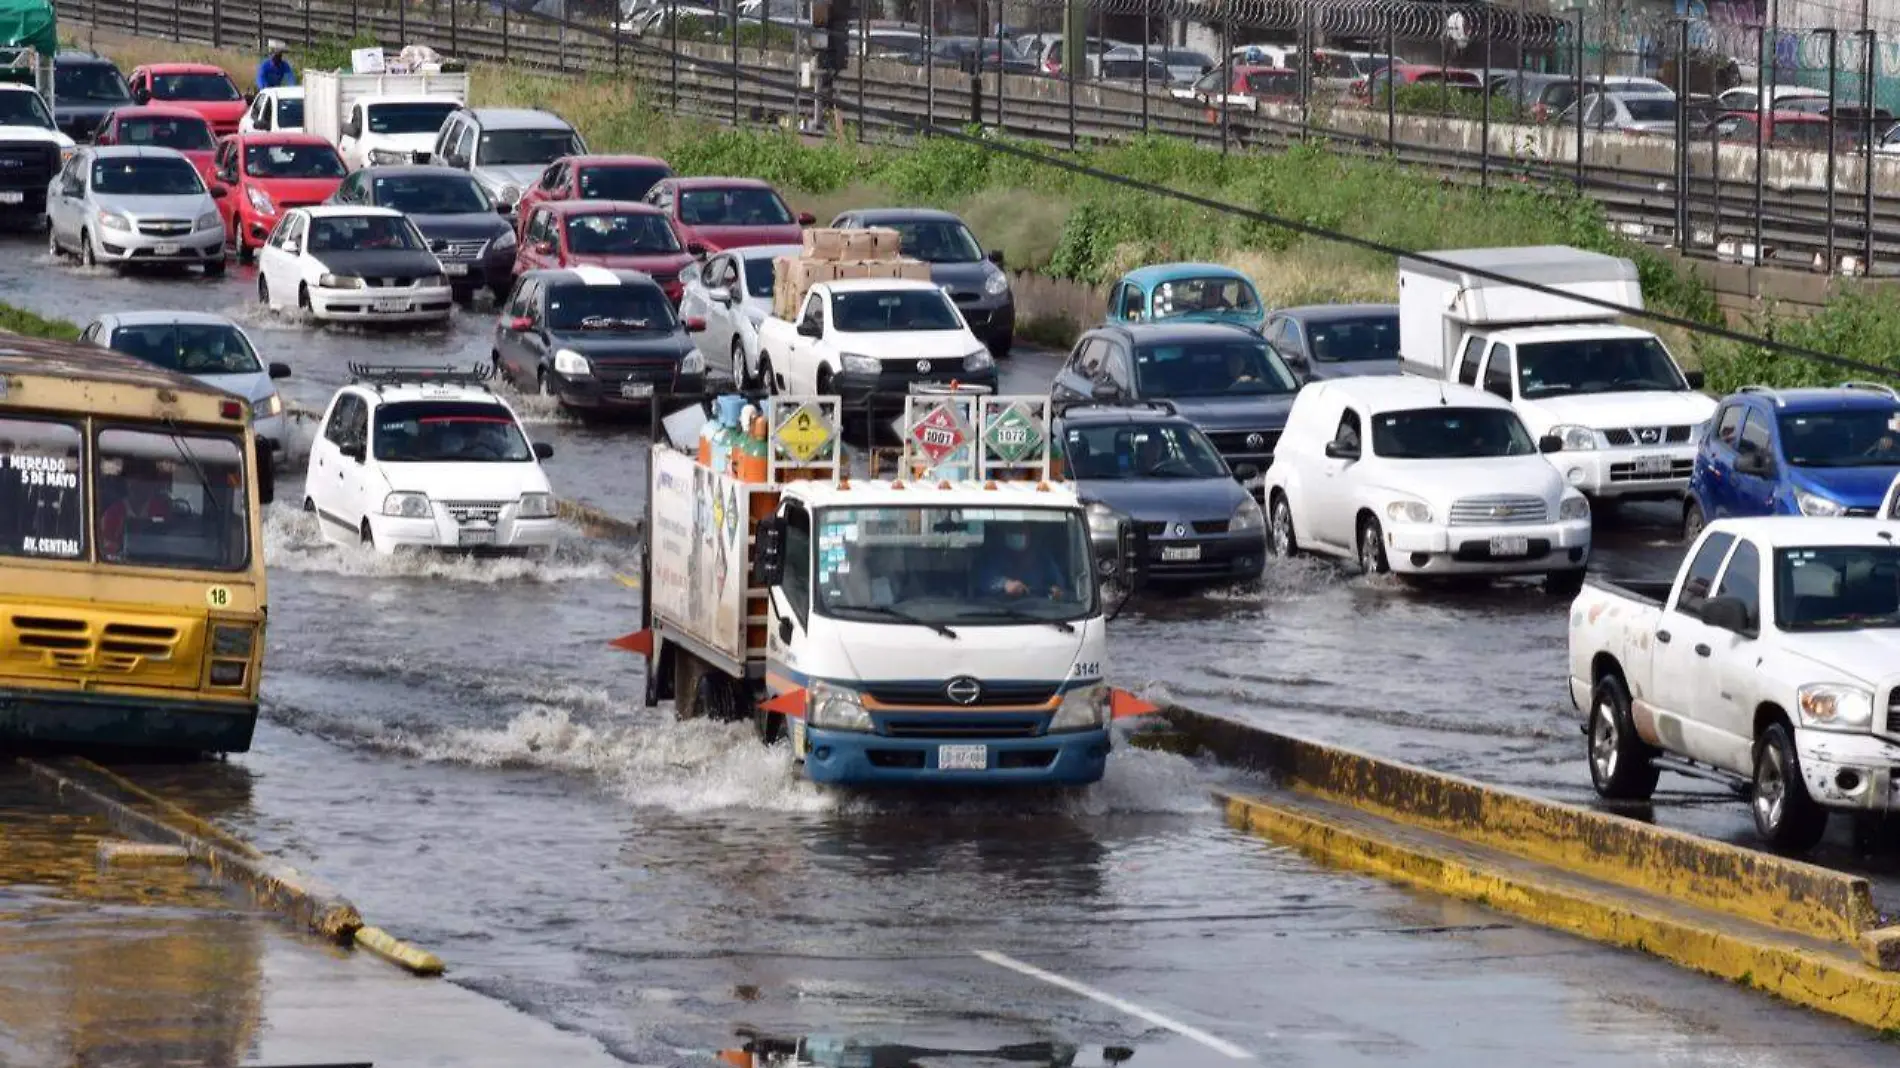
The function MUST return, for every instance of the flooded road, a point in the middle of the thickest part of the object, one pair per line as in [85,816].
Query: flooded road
[452,743]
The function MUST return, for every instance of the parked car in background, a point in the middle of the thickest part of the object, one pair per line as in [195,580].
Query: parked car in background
[1749,97]
[732,292]
[1246,87]
[506,149]
[723,213]
[199,87]
[1625,111]
[604,233]
[596,340]
[1184,65]
[1125,68]
[86,86]
[278,110]
[1779,129]
[594,178]
[176,128]
[210,348]
[1186,292]
[268,174]
[1423,478]
[1321,341]
[1453,79]
[352,264]
[968,53]
[974,279]
[467,231]
[1045,49]
[120,205]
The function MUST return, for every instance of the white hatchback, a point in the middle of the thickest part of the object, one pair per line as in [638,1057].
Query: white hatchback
[428,459]
[352,264]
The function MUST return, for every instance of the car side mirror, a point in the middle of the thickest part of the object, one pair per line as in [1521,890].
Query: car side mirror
[293,247]
[806,218]
[280,370]
[1337,451]
[719,295]
[996,257]
[1694,378]
[353,450]
[768,567]
[520,323]
[142,95]
[697,248]
[219,192]
[1727,613]
[1753,462]
[694,324]
[543,451]
[809,328]
[544,247]
[1246,472]
[1550,443]
[504,209]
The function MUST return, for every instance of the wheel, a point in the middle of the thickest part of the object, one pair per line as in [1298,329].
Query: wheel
[700,693]
[1564,583]
[309,505]
[999,350]
[1785,815]
[303,297]
[500,293]
[214,268]
[767,376]
[238,248]
[263,289]
[53,248]
[366,535]
[770,726]
[1372,548]
[86,256]
[1280,527]
[541,383]
[824,382]
[1622,765]
[1692,521]
[740,373]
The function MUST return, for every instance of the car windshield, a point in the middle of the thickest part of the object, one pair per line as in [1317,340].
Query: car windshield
[1595,365]
[1270,82]
[623,182]
[953,566]
[293,161]
[290,113]
[893,311]
[363,233]
[933,241]
[146,176]
[185,135]
[432,194]
[1375,337]
[413,118]
[42,489]
[620,235]
[758,276]
[437,432]
[1859,437]
[623,309]
[216,86]
[24,109]
[1651,108]
[1837,587]
[1140,450]
[1210,369]
[189,348]
[733,206]
[1204,296]
[1441,433]
[172,500]
[89,83]
[517,148]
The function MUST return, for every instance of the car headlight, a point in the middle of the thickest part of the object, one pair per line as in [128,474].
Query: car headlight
[1248,517]
[837,708]
[1577,507]
[406,505]
[861,365]
[693,363]
[1104,523]
[996,284]
[260,200]
[113,221]
[339,281]
[1082,708]
[210,221]
[509,194]
[231,641]
[569,362]
[980,360]
[273,405]
[1409,512]
[1815,504]
[506,240]
[536,506]
[1828,706]
[384,155]
[1575,438]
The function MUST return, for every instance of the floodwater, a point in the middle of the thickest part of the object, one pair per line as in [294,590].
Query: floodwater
[452,743]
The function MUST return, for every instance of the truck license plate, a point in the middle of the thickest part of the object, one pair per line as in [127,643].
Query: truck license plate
[1180,552]
[636,389]
[166,248]
[392,305]
[963,757]
[475,537]
[1652,465]
[1510,545]
[457,269]
[12,196]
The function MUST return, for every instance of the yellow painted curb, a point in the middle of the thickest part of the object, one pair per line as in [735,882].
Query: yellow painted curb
[142,853]
[397,952]
[1806,972]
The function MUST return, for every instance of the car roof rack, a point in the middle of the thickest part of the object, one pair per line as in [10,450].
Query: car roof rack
[474,376]
[1769,391]
[1875,387]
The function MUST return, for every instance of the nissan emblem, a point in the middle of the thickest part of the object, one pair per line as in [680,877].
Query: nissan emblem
[923,367]
[1255,441]
[964,690]
[1649,434]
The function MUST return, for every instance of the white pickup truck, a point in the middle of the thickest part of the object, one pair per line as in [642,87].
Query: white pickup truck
[865,337]
[380,119]
[1771,659]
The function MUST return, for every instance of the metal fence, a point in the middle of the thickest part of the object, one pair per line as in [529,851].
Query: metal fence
[1815,192]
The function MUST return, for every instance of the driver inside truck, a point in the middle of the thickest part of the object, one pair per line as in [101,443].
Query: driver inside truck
[1014,567]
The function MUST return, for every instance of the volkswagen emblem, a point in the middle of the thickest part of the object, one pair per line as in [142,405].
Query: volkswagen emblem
[1255,441]
[923,367]
[964,690]
[1649,435]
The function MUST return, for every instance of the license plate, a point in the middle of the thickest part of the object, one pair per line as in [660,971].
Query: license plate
[1510,545]
[1653,465]
[963,757]
[392,305]
[12,197]
[457,269]
[166,248]
[476,537]
[636,389]
[1180,552]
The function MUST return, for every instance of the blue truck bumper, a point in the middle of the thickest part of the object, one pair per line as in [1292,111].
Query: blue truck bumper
[851,758]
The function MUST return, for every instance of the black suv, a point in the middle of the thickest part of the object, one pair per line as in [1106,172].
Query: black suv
[86,88]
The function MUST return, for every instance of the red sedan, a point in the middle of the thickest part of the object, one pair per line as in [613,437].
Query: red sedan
[268,174]
[594,178]
[203,88]
[1453,78]
[723,213]
[157,126]
[617,235]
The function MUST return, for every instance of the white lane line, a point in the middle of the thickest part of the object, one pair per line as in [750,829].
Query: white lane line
[1218,1045]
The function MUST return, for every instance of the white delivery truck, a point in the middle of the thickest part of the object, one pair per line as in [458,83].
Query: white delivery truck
[381,118]
[1626,417]
[943,626]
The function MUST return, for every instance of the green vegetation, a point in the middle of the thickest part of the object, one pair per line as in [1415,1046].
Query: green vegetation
[1859,323]
[20,321]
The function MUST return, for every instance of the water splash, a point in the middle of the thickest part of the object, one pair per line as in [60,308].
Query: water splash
[293,541]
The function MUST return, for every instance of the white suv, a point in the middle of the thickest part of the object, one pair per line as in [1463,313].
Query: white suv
[428,459]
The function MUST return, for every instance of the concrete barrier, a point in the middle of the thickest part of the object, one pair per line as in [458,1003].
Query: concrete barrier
[597,523]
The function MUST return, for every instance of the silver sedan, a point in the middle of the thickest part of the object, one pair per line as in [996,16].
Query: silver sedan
[122,205]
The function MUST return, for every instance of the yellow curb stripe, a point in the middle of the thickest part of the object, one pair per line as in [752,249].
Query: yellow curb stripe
[397,952]
[142,853]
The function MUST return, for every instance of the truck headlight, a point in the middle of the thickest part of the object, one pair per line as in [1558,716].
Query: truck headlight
[1829,706]
[837,708]
[210,221]
[980,360]
[1575,438]
[855,364]
[406,505]
[1815,504]
[569,362]
[1409,512]
[113,221]
[231,641]
[1248,517]
[1577,507]
[536,506]
[260,201]
[996,284]
[693,363]
[1083,708]
[339,281]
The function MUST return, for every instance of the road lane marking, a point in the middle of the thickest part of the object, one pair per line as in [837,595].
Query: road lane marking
[1218,1045]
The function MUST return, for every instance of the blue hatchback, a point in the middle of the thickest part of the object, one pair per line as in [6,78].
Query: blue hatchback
[1820,452]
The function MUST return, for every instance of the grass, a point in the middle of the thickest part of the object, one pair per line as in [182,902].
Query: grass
[20,321]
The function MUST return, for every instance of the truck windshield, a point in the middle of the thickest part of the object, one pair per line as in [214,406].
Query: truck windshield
[1210,369]
[1861,437]
[954,566]
[412,118]
[290,113]
[1837,587]
[434,432]
[24,109]
[1450,434]
[893,311]
[1595,365]
[172,499]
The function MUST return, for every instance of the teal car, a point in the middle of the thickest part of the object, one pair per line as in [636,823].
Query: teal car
[1186,292]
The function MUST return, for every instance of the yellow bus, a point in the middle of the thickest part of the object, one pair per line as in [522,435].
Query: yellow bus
[131,553]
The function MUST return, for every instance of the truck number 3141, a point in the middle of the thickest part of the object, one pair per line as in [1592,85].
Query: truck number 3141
[1086,669]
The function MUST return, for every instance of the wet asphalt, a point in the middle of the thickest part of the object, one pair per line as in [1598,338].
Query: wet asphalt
[452,743]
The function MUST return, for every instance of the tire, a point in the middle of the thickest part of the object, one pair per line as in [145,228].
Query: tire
[1372,559]
[1622,765]
[303,298]
[1564,583]
[310,506]
[86,257]
[999,350]
[699,693]
[366,535]
[769,726]
[263,290]
[1280,537]
[541,383]
[53,248]
[239,250]
[1692,521]
[1786,817]
[500,293]
[741,375]
[214,268]
[768,377]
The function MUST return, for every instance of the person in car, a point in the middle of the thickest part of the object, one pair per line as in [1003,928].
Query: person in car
[147,499]
[1011,569]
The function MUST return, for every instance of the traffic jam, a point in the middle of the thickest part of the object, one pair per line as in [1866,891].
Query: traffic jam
[871,531]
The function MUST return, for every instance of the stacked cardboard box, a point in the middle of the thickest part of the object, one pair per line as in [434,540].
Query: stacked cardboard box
[831,255]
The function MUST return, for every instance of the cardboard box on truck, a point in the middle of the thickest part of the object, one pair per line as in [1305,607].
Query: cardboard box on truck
[794,277]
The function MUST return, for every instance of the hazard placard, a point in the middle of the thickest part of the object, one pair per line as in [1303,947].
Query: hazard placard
[1014,436]
[805,434]
[939,434]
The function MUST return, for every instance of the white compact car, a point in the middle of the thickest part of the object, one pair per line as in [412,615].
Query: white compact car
[352,264]
[733,293]
[1422,478]
[277,110]
[427,459]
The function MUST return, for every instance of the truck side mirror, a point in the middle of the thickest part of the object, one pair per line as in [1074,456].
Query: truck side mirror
[1550,443]
[1727,613]
[768,567]
[1694,378]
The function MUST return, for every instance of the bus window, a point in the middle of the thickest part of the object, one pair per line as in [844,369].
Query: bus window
[172,500]
[42,491]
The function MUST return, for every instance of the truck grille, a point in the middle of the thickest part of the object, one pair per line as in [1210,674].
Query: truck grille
[27,166]
[1893,711]
[1626,472]
[932,695]
[1649,435]
[69,643]
[947,726]
[1501,509]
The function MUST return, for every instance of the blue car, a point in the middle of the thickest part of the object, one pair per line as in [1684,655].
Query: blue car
[1186,292]
[1819,452]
